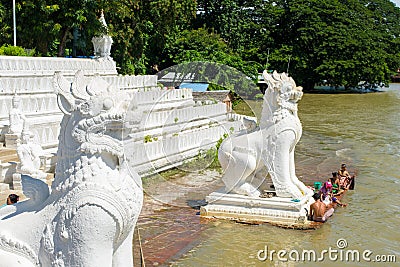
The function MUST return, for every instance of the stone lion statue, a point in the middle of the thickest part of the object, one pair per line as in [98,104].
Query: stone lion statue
[272,146]
[89,216]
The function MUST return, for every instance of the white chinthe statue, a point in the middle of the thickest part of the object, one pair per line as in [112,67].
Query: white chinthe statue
[29,154]
[272,146]
[88,218]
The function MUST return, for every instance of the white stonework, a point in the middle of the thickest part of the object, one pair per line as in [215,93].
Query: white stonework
[170,115]
[174,129]
[17,120]
[30,155]
[12,67]
[16,117]
[102,44]
[271,146]
[244,156]
[89,216]
[31,79]
[278,210]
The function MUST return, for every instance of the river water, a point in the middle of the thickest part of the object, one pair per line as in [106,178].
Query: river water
[362,130]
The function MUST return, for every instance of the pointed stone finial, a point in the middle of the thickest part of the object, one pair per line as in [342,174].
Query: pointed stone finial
[103,21]
[102,44]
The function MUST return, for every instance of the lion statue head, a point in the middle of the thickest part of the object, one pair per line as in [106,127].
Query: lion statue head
[280,98]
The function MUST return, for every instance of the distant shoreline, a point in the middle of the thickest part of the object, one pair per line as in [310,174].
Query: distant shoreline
[342,90]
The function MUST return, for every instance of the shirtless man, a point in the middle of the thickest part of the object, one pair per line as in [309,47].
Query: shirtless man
[320,212]
[345,177]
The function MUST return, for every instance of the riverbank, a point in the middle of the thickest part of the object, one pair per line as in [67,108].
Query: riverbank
[342,90]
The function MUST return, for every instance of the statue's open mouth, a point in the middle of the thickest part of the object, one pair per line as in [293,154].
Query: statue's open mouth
[103,133]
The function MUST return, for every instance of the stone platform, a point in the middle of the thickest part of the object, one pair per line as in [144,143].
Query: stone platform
[276,210]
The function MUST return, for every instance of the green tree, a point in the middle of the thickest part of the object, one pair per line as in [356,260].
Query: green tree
[244,25]
[4,26]
[48,26]
[10,50]
[141,30]
[206,55]
[342,42]
[202,45]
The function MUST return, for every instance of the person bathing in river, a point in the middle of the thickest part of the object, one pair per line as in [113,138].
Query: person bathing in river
[325,192]
[337,201]
[327,195]
[345,177]
[320,212]
[335,181]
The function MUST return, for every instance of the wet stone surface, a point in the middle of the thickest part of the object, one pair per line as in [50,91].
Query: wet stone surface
[170,224]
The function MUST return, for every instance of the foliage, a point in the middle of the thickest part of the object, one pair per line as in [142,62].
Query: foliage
[205,159]
[4,26]
[340,42]
[10,50]
[242,107]
[337,41]
[218,145]
[148,139]
[220,76]
[243,24]
[202,45]
[141,30]
[48,26]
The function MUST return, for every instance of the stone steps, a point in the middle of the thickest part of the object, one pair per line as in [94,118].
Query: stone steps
[7,151]
[7,155]
[3,188]
[9,158]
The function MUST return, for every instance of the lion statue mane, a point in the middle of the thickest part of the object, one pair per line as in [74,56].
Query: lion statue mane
[270,147]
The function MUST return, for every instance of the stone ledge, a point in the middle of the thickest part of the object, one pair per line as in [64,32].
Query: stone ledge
[276,210]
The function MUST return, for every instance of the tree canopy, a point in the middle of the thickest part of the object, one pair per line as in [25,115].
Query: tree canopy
[337,42]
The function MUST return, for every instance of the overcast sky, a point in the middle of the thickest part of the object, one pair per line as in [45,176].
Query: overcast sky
[397,2]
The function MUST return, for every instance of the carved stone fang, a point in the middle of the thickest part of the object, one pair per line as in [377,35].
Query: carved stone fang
[78,88]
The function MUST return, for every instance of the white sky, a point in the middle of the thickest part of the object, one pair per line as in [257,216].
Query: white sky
[397,2]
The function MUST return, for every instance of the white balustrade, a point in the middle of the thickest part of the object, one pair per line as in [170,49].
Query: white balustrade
[180,115]
[142,153]
[132,82]
[35,66]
